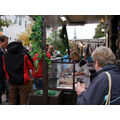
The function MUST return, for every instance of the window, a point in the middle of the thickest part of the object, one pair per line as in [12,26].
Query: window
[25,23]
[15,21]
[20,20]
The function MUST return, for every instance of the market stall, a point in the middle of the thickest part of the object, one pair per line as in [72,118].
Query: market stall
[63,87]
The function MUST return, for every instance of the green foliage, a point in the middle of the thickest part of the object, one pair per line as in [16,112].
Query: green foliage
[55,40]
[25,36]
[36,37]
[98,32]
[58,40]
[4,22]
[64,38]
[36,41]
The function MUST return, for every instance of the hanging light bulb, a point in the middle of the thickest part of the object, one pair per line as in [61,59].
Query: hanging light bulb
[102,20]
[102,27]
[63,18]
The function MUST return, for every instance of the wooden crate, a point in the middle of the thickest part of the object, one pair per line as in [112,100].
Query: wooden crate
[38,99]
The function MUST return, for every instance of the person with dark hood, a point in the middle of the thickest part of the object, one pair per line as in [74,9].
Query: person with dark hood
[17,63]
[100,89]
[3,83]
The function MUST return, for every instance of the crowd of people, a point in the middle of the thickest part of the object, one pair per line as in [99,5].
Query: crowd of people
[3,82]
[18,73]
[16,63]
[97,92]
[18,76]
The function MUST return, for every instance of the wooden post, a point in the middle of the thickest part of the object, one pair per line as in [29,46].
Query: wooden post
[44,65]
[74,76]
[114,35]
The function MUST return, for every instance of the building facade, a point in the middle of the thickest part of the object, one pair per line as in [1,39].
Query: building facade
[19,24]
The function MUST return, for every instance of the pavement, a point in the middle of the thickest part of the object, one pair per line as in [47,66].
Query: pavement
[4,100]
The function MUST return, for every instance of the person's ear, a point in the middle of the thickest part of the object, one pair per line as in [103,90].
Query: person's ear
[97,64]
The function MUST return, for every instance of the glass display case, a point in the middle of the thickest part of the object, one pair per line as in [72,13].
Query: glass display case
[61,74]
[61,79]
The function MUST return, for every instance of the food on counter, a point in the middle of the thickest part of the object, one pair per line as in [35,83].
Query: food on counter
[67,81]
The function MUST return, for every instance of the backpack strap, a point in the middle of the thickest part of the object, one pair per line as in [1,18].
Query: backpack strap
[108,97]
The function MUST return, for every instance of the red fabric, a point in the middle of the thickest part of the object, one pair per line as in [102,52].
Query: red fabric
[38,74]
[27,66]
[48,55]
[7,76]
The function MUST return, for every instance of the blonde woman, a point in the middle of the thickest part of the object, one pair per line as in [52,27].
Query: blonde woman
[81,69]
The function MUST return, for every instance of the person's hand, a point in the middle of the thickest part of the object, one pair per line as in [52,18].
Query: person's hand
[79,73]
[76,74]
[84,85]
[80,88]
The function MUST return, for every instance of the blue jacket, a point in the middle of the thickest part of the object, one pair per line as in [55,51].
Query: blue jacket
[98,88]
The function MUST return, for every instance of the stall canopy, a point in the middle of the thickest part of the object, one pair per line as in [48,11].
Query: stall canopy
[60,20]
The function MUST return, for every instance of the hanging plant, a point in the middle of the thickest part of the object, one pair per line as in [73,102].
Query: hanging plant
[36,42]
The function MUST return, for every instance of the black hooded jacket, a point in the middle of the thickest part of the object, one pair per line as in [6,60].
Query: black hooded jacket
[17,64]
[2,74]
[98,88]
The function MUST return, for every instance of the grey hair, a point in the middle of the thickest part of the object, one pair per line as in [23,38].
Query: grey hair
[104,56]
